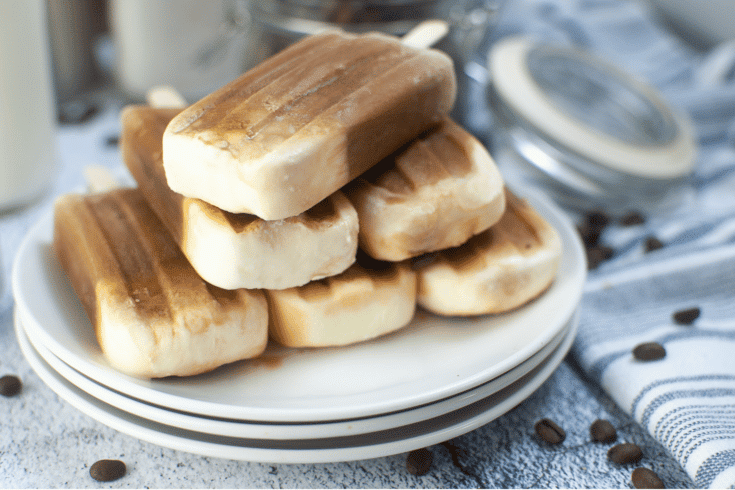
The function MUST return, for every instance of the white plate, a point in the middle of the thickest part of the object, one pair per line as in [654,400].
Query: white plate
[371,445]
[234,428]
[431,359]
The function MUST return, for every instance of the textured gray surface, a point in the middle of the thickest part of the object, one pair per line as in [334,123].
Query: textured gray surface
[47,443]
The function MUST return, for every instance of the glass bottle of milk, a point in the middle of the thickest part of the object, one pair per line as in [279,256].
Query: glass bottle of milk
[27,110]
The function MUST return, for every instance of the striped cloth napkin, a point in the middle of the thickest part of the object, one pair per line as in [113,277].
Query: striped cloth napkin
[686,399]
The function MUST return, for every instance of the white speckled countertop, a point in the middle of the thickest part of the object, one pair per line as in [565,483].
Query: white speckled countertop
[47,443]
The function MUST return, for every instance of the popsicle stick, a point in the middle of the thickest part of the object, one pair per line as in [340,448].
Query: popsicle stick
[426,33]
[165,96]
[99,179]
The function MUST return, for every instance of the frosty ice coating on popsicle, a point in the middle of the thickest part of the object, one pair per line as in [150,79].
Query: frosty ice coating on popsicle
[303,123]
[436,193]
[152,314]
[237,250]
[496,271]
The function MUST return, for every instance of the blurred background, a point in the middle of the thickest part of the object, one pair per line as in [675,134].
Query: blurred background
[131,45]
[64,61]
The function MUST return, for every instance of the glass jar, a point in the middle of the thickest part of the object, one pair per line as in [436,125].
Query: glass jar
[282,22]
[583,130]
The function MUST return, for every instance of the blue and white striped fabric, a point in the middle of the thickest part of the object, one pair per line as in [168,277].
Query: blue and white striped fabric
[687,399]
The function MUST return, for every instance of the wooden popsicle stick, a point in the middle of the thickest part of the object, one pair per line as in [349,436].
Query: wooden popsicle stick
[99,179]
[165,96]
[426,33]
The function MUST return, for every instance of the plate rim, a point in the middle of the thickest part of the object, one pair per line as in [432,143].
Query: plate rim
[176,440]
[249,429]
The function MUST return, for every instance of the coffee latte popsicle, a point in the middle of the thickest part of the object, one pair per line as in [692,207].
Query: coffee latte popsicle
[370,299]
[238,250]
[436,192]
[300,125]
[152,314]
[501,269]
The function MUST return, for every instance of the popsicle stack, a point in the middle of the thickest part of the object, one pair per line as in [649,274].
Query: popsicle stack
[317,200]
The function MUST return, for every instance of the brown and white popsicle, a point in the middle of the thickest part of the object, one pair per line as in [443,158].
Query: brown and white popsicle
[237,250]
[436,193]
[303,123]
[496,271]
[152,314]
[370,299]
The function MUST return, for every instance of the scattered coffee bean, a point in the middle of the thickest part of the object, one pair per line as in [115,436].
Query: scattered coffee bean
[625,453]
[686,317]
[107,470]
[649,351]
[652,243]
[590,236]
[419,461]
[590,231]
[112,140]
[598,219]
[603,431]
[632,218]
[645,478]
[10,385]
[549,431]
[597,255]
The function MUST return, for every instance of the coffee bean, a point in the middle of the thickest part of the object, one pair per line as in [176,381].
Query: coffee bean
[112,140]
[598,219]
[589,234]
[419,461]
[649,351]
[686,317]
[549,431]
[10,385]
[645,478]
[597,255]
[603,431]
[107,470]
[625,453]
[652,243]
[632,218]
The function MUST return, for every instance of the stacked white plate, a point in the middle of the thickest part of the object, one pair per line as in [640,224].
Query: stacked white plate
[434,380]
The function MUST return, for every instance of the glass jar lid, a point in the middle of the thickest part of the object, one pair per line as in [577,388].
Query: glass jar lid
[596,125]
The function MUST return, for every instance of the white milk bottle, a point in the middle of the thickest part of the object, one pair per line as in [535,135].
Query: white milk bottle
[27,109]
